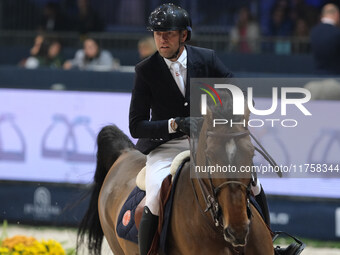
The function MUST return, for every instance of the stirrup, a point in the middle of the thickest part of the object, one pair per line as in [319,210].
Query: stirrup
[292,249]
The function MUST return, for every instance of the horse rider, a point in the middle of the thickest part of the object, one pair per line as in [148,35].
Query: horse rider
[160,105]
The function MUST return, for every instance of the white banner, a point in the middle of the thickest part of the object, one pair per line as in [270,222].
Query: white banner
[51,135]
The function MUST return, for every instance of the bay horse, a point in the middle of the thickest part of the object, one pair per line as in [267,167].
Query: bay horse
[209,215]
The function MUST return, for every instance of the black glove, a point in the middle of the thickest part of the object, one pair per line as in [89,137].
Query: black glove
[184,124]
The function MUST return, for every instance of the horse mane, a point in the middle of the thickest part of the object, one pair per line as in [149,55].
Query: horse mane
[111,142]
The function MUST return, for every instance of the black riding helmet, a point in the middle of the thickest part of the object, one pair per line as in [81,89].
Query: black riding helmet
[169,17]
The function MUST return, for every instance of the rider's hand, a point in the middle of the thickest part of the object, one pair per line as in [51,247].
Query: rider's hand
[185,123]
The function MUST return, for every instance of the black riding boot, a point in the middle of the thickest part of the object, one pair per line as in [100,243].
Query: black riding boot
[262,201]
[147,229]
[292,249]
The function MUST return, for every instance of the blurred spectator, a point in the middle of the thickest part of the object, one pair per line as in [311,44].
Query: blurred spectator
[48,55]
[52,19]
[146,47]
[280,23]
[301,28]
[87,20]
[245,34]
[39,52]
[38,40]
[54,58]
[91,57]
[325,41]
[281,26]
[301,10]
[300,42]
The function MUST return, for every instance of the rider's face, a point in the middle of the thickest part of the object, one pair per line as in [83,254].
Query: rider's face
[167,42]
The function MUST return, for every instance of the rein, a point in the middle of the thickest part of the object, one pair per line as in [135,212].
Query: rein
[265,154]
[210,197]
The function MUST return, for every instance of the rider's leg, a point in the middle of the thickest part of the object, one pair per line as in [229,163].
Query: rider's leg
[292,249]
[157,168]
[147,229]
[261,199]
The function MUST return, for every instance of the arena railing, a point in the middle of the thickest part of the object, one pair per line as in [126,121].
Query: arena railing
[218,42]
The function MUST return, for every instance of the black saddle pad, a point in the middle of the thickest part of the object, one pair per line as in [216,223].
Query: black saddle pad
[126,227]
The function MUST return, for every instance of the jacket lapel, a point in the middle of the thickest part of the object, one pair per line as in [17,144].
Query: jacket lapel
[165,76]
[193,70]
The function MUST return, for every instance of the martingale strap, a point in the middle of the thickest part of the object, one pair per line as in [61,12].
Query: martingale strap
[205,217]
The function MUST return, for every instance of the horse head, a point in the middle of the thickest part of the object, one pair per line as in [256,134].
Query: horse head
[225,149]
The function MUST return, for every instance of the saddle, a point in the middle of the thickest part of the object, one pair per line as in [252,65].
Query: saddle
[132,210]
[178,160]
[166,185]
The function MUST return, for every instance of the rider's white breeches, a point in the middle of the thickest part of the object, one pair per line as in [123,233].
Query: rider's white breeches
[158,164]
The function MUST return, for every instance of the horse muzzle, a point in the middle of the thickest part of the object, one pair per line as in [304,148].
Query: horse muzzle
[236,238]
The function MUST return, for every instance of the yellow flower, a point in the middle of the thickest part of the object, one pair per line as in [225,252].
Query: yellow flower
[4,251]
[22,245]
[54,247]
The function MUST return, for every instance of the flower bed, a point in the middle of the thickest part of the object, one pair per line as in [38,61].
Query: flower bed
[25,245]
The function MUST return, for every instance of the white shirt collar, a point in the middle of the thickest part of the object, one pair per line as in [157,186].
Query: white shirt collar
[182,59]
[328,21]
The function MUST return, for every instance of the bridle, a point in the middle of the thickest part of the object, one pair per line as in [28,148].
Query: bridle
[210,194]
